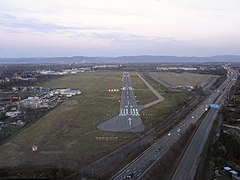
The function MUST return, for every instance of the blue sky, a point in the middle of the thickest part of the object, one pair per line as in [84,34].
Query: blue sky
[30,28]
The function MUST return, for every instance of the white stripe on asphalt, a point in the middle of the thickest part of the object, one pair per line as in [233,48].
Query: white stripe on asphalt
[136,111]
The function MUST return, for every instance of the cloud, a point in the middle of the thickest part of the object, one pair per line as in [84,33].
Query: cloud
[129,38]
[15,24]
[12,22]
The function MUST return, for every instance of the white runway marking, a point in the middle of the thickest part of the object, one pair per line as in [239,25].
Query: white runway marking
[130,121]
[136,111]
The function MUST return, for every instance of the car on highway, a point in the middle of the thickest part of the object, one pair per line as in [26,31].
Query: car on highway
[178,130]
[158,150]
[192,117]
[129,176]
[169,134]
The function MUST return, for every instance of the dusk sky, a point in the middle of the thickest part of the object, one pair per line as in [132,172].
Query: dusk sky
[30,28]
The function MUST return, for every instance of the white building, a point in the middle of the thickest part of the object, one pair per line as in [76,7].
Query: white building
[69,92]
[13,113]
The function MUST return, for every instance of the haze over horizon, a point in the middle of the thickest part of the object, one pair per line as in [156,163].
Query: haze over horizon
[116,28]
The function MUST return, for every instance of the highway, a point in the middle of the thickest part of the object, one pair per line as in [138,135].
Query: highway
[143,163]
[187,168]
[129,119]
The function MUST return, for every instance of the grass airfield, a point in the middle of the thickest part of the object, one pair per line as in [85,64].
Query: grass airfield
[68,133]
[182,79]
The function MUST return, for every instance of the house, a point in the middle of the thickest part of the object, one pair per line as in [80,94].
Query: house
[69,92]
[13,113]
[20,123]
[233,173]
[226,169]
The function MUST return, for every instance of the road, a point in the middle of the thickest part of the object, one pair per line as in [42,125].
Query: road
[129,118]
[143,163]
[187,168]
[151,88]
[159,96]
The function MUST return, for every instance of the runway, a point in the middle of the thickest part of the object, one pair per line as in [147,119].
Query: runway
[128,119]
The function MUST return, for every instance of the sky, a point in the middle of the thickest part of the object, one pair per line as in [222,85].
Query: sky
[47,28]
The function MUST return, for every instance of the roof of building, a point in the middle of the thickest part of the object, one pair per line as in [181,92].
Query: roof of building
[72,91]
[227,168]
[233,172]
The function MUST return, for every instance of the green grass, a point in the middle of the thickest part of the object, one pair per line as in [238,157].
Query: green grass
[59,134]
[141,91]
[182,79]
[172,101]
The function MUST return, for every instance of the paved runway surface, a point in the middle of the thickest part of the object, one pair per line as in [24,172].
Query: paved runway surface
[129,119]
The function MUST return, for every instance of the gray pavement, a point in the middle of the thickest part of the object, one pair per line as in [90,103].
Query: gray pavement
[129,119]
[159,96]
[187,168]
[141,165]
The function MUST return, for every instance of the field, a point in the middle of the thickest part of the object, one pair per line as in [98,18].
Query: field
[157,113]
[68,133]
[182,79]
[141,91]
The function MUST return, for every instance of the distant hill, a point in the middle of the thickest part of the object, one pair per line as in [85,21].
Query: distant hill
[120,59]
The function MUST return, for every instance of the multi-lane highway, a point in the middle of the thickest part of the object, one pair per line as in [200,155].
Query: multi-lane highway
[129,118]
[138,167]
[187,168]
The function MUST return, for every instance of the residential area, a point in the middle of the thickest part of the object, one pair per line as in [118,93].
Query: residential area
[21,105]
